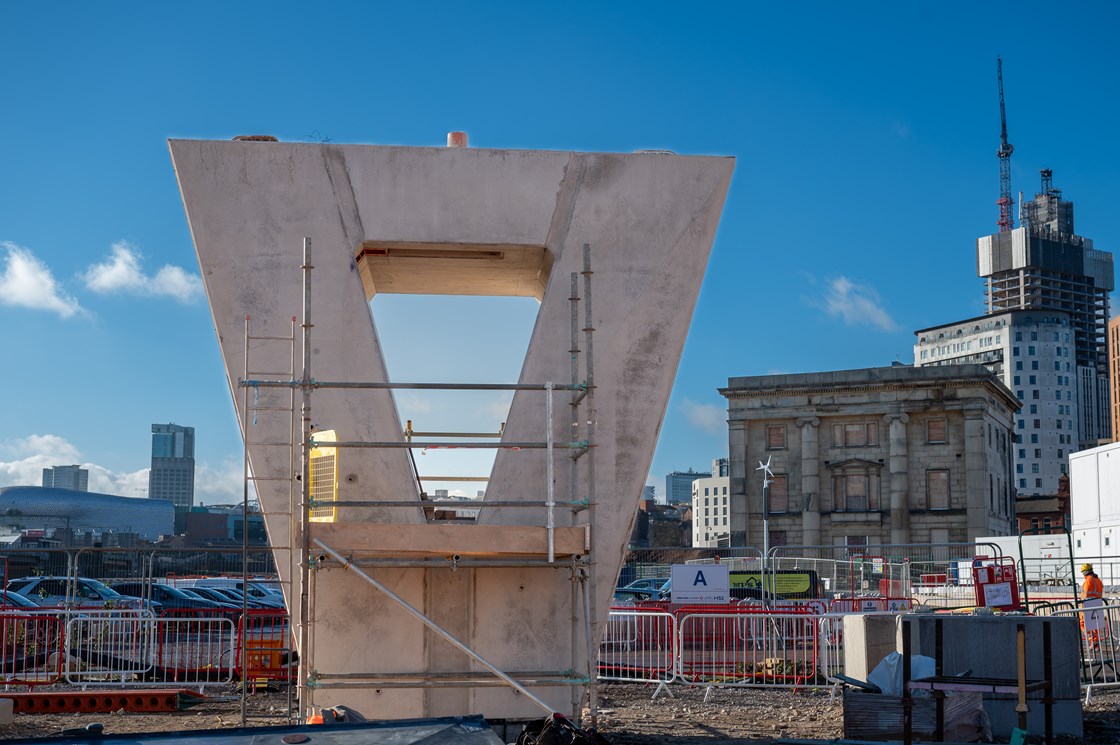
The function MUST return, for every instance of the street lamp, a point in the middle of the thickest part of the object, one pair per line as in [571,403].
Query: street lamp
[767,479]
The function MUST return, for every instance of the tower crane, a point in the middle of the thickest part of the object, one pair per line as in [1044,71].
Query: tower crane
[1005,202]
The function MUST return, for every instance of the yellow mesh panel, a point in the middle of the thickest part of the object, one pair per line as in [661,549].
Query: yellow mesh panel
[323,485]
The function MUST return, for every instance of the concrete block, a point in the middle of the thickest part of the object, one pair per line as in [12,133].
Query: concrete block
[986,645]
[867,640]
[7,711]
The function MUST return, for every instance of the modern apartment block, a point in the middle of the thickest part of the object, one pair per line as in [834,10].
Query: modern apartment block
[1032,353]
[66,477]
[172,474]
[678,486]
[711,513]
[1043,265]
[873,456]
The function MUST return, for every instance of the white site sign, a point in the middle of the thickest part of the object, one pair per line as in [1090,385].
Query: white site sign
[700,583]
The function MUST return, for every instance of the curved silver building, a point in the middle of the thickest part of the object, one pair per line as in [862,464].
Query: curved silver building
[35,507]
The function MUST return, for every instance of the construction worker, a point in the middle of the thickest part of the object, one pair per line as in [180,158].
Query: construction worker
[1092,622]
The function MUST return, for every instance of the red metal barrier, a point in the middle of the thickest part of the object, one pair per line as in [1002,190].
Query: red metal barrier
[265,637]
[66,702]
[749,646]
[30,648]
[870,605]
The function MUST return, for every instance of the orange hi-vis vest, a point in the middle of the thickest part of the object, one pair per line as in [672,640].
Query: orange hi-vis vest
[1093,588]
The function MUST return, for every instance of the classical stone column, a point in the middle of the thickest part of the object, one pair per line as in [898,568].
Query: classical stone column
[976,490]
[738,469]
[899,478]
[810,481]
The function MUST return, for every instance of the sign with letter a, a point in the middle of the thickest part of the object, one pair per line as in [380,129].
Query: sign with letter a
[700,583]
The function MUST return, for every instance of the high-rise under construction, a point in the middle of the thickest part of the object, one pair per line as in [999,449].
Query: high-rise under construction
[1044,265]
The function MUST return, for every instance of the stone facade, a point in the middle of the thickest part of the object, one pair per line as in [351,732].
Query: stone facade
[874,456]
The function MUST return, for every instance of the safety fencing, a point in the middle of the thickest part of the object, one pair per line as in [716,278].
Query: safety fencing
[110,648]
[267,652]
[639,646]
[1100,645]
[745,644]
[749,646]
[29,653]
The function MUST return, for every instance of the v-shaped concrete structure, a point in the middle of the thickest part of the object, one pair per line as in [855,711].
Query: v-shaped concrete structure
[457,221]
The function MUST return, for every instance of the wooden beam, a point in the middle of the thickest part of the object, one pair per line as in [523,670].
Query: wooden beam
[418,541]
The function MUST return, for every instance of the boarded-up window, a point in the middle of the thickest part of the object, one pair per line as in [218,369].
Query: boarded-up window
[776,437]
[855,435]
[856,489]
[935,431]
[937,489]
[779,494]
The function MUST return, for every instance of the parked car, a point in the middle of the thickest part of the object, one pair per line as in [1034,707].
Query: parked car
[256,592]
[170,598]
[82,592]
[628,595]
[224,596]
[652,584]
[10,601]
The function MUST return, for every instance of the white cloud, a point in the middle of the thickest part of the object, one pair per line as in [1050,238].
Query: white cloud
[51,446]
[411,403]
[856,304]
[707,417]
[121,272]
[35,452]
[27,282]
[222,485]
[496,410]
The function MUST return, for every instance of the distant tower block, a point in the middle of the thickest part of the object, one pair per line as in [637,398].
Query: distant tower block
[474,221]
[172,473]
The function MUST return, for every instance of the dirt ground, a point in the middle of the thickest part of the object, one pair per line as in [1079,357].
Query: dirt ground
[628,716]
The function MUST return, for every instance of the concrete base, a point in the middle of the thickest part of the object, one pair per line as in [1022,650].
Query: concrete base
[986,645]
[867,640]
[7,711]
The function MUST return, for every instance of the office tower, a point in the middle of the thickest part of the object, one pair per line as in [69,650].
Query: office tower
[172,475]
[678,486]
[66,477]
[720,467]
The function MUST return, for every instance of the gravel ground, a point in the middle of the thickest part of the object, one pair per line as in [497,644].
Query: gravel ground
[628,716]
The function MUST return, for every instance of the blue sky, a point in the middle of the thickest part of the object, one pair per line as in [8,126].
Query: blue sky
[865,137]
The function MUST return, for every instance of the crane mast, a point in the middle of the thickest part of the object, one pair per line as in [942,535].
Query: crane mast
[1005,202]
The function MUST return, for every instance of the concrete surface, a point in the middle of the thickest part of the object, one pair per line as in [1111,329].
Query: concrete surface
[427,219]
[868,638]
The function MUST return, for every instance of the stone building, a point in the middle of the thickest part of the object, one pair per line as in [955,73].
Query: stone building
[873,456]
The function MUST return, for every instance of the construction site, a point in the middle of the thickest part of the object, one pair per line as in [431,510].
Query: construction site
[410,616]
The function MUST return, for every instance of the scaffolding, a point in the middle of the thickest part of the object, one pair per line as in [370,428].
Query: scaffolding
[567,547]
